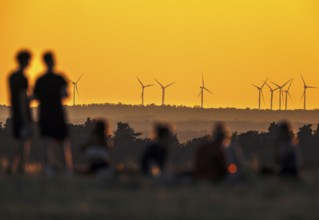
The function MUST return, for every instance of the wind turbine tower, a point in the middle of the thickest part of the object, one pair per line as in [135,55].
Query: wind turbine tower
[304,94]
[143,87]
[280,91]
[163,89]
[75,88]
[201,93]
[260,92]
[271,95]
[287,93]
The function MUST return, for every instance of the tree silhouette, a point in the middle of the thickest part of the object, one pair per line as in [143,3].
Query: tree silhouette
[305,133]
[125,135]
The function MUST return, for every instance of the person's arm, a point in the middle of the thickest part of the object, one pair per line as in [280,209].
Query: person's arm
[24,105]
[24,102]
[63,92]
[64,88]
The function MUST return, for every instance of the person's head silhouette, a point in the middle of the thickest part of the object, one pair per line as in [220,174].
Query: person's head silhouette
[163,133]
[23,57]
[48,59]
[285,131]
[221,132]
[101,128]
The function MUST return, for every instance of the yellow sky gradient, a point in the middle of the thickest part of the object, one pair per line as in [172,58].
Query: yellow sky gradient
[235,43]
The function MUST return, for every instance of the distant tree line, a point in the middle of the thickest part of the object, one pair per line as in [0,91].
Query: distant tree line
[129,145]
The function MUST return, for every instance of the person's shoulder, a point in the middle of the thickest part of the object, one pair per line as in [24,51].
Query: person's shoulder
[17,76]
[13,75]
[60,77]
[41,77]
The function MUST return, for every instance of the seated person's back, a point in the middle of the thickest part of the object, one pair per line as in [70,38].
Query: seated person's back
[155,155]
[97,149]
[210,162]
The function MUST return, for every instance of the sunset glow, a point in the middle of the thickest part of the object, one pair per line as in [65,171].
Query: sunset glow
[234,42]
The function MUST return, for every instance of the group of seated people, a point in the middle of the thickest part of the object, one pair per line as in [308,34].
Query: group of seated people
[216,160]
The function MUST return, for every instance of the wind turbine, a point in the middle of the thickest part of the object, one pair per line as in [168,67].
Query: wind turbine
[271,94]
[260,92]
[75,88]
[143,87]
[280,91]
[287,93]
[305,87]
[201,93]
[163,89]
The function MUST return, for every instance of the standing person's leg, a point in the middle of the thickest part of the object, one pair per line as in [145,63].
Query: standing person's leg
[62,155]
[15,159]
[48,156]
[22,155]
[68,155]
[58,155]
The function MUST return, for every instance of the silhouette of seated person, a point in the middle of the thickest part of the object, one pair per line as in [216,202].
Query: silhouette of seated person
[155,155]
[97,149]
[219,158]
[287,155]
[50,90]
[20,112]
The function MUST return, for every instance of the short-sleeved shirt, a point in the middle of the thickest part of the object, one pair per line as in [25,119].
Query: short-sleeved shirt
[18,84]
[52,120]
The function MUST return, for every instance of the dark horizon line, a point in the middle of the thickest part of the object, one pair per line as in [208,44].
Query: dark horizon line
[175,106]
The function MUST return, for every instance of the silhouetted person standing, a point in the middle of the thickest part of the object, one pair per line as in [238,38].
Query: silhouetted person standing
[50,89]
[20,112]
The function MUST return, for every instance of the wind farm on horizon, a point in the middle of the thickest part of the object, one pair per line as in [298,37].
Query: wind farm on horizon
[282,90]
[284,94]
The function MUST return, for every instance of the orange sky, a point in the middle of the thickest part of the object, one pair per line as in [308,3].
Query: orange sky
[235,43]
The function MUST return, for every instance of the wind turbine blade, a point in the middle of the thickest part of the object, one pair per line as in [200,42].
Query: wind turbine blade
[203,84]
[285,83]
[159,83]
[303,80]
[169,84]
[70,80]
[140,81]
[149,85]
[290,97]
[255,86]
[268,86]
[275,84]
[264,83]
[199,94]
[290,84]
[311,87]
[208,91]
[79,78]
[77,91]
